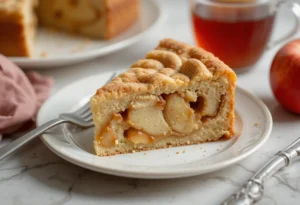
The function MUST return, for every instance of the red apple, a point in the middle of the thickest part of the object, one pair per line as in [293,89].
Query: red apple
[285,76]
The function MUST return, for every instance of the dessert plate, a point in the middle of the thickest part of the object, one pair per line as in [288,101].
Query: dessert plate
[55,48]
[253,127]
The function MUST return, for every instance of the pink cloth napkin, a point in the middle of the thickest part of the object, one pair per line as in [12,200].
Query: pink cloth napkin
[21,96]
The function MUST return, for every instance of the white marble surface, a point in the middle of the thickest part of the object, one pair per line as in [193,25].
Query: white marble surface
[36,176]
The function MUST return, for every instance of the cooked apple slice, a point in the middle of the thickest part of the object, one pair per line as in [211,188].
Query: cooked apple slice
[212,103]
[179,114]
[139,137]
[108,137]
[149,120]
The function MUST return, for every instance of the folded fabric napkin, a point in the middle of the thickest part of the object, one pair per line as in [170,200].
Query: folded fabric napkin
[21,96]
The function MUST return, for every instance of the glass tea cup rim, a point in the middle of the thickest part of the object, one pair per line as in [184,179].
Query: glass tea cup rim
[236,4]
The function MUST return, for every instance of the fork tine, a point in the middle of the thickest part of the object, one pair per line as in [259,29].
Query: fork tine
[86,114]
[86,107]
[89,118]
[83,109]
[83,116]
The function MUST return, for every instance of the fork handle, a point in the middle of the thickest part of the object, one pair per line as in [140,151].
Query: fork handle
[16,144]
[253,191]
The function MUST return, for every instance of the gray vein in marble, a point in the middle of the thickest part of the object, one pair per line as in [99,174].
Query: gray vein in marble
[271,199]
[267,154]
[224,179]
[25,169]
[70,189]
[248,170]
[12,168]
[285,183]
[297,183]
[134,183]
[56,177]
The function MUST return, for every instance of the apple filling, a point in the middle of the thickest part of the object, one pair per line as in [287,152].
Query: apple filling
[151,118]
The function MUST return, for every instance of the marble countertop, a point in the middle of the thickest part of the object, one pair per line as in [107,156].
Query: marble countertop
[35,176]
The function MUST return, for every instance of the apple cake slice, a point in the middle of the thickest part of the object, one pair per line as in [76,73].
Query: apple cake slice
[177,95]
[17,27]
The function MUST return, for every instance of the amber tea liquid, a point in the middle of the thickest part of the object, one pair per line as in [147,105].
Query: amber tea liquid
[239,44]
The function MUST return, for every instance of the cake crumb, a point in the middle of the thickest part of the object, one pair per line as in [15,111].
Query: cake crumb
[256,124]
[44,54]
[116,141]
[81,47]
[145,153]
[177,152]
[183,151]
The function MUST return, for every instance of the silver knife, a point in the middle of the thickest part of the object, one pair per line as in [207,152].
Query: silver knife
[253,190]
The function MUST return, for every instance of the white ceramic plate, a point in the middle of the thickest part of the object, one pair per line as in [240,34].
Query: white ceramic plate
[253,123]
[63,49]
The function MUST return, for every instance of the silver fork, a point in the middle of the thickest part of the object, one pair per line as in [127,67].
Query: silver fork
[81,117]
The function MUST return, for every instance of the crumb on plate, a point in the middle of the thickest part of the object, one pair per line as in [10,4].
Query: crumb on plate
[81,46]
[44,54]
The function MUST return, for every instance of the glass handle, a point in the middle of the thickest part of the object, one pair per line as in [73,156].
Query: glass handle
[295,8]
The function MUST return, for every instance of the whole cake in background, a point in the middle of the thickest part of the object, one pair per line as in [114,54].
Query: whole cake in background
[101,19]
[178,95]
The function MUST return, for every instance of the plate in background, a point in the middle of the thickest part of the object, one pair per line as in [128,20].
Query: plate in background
[253,123]
[64,49]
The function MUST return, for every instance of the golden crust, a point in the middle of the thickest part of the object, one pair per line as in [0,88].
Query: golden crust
[11,11]
[120,14]
[17,25]
[176,144]
[14,44]
[138,79]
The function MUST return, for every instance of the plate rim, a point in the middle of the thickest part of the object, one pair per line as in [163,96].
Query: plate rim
[89,54]
[162,174]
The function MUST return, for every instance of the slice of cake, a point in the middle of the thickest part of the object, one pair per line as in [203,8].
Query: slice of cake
[178,95]
[17,23]
[100,19]
[94,18]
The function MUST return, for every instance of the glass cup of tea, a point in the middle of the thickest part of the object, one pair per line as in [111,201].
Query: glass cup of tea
[238,31]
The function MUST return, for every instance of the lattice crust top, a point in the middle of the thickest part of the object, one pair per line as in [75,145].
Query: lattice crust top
[172,64]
